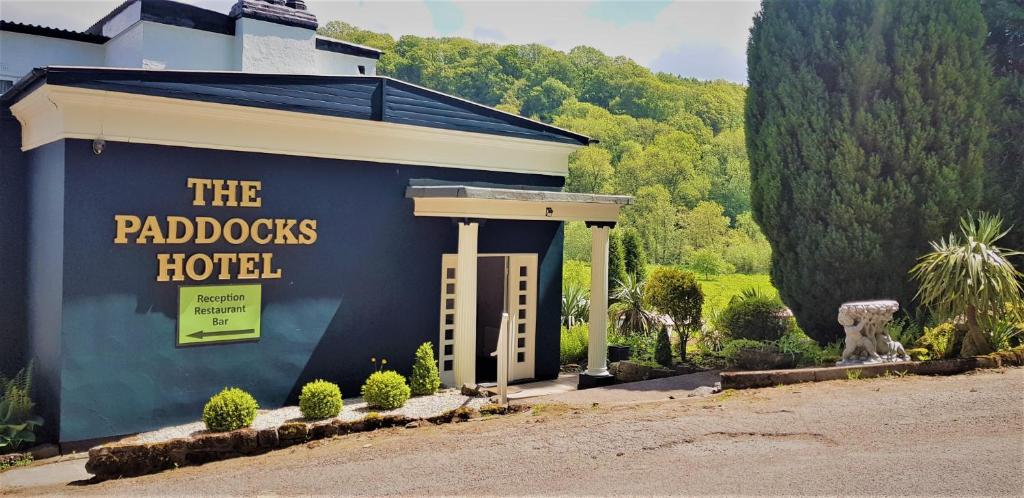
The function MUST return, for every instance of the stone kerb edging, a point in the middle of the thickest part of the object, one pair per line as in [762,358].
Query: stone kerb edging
[116,460]
[768,378]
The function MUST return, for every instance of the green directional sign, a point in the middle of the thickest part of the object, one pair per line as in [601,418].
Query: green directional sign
[209,314]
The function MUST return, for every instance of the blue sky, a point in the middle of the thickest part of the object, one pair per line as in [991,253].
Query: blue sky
[704,39]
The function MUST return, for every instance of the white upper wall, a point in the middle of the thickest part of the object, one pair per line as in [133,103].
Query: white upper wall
[174,47]
[266,47]
[328,62]
[20,53]
[257,46]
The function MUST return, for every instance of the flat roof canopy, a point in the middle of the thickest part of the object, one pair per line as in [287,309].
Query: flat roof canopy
[470,201]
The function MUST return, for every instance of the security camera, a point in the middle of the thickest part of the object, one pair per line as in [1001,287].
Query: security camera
[98,145]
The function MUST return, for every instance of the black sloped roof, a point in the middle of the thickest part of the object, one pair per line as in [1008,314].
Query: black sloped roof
[375,98]
[66,34]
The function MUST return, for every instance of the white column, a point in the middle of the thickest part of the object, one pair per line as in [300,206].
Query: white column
[465,304]
[597,357]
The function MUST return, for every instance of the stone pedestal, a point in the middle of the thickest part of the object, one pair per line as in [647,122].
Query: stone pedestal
[866,338]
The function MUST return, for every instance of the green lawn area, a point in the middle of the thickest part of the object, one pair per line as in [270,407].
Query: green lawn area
[719,289]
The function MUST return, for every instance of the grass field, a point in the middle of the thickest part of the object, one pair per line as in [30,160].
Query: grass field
[718,289]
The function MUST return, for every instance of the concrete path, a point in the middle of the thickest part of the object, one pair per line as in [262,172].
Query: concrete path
[44,473]
[678,387]
[565,382]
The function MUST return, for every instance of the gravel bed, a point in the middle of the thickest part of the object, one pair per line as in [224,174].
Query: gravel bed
[353,409]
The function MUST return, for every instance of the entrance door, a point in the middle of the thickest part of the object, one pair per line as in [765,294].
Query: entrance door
[517,292]
[522,306]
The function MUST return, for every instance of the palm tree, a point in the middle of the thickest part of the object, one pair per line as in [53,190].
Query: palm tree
[575,304]
[631,308]
[971,276]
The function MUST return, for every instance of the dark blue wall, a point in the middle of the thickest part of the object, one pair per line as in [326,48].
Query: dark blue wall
[369,287]
[45,170]
[13,340]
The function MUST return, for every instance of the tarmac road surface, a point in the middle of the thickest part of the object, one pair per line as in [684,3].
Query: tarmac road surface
[960,435]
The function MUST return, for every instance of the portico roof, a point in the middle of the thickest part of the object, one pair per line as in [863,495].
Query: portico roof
[509,202]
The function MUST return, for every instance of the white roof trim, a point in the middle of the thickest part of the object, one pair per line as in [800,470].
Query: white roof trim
[54,112]
[461,201]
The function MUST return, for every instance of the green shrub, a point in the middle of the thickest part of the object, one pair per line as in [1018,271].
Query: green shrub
[573,344]
[663,348]
[17,424]
[676,293]
[1004,334]
[425,379]
[229,409]
[732,350]
[386,390]
[942,341]
[577,273]
[757,318]
[732,347]
[803,349]
[904,331]
[319,400]
[919,354]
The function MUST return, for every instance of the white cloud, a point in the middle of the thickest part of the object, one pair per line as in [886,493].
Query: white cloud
[678,39]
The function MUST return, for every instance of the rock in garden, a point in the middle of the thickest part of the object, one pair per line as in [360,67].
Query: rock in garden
[267,438]
[44,451]
[628,371]
[291,432]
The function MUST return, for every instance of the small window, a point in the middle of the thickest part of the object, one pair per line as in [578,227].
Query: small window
[522,271]
[447,365]
[449,289]
[449,319]
[448,350]
[522,328]
[522,285]
[522,299]
[450,272]
[362,69]
[522,314]
[5,85]
[449,304]
[521,342]
[449,335]
[520,357]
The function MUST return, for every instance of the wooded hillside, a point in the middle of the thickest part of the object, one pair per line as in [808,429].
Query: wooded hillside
[674,143]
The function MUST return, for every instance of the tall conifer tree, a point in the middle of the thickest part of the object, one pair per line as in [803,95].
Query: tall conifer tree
[866,132]
[634,254]
[1004,188]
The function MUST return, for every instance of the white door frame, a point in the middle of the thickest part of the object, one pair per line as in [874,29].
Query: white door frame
[457,342]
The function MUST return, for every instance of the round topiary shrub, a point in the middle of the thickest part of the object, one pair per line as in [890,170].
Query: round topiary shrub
[319,400]
[425,379]
[386,390]
[758,318]
[229,409]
